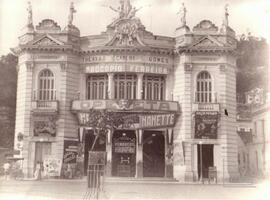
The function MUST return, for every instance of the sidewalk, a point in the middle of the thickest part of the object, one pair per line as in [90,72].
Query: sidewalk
[77,189]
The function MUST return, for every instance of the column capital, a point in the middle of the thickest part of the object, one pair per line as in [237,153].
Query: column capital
[110,74]
[139,75]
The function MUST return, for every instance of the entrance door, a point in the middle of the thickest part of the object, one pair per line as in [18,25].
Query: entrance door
[207,157]
[42,150]
[100,145]
[124,153]
[153,154]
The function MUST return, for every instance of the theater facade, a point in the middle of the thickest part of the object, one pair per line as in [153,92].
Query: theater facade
[175,97]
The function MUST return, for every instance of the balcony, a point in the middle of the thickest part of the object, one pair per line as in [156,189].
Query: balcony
[205,107]
[45,107]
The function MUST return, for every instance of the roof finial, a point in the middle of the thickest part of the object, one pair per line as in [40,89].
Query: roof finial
[30,14]
[71,12]
[226,16]
[182,13]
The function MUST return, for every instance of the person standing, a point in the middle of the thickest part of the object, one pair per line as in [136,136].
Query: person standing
[38,171]
[6,170]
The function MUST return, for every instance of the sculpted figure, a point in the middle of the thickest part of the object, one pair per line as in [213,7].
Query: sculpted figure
[226,16]
[182,13]
[30,14]
[132,12]
[71,12]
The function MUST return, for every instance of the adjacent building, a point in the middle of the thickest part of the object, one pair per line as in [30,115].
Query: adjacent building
[253,128]
[176,96]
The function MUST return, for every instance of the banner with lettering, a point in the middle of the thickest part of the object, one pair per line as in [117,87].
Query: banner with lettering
[206,124]
[157,120]
[70,151]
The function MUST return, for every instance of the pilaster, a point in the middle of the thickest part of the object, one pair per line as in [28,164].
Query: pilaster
[139,85]
[110,85]
[139,154]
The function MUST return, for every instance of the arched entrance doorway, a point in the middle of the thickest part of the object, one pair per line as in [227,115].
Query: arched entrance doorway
[153,154]
[124,153]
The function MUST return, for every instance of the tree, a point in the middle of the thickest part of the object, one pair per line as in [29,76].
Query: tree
[103,121]
[8,81]
[8,87]
[252,63]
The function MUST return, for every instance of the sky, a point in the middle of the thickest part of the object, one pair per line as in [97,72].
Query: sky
[158,16]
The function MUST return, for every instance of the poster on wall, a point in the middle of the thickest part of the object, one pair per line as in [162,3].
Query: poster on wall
[125,144]
[70,151]
[52,166]
[206,124]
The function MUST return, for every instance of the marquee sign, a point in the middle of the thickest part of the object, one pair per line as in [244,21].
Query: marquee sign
[206,124]
[137,121]
[126,105]
[161,120]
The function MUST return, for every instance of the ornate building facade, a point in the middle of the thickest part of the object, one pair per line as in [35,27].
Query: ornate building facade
[171,91]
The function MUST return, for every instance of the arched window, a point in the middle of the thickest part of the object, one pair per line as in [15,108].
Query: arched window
[204,88]
[125,86]
[46,86]
[153,87]
[97,86]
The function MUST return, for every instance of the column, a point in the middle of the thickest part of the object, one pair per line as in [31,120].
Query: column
[168,153]
[218,161]
[110,86]
[109,154]
[83,87]
[139,85]
[195,161]
[139,154]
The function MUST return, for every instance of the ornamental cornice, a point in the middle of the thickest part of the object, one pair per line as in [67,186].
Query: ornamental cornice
[205,50]
[129,49]
[62,48]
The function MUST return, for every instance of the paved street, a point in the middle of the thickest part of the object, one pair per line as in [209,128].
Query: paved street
[76,189]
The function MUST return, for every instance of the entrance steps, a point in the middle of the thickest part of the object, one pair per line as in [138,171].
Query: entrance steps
[138,180]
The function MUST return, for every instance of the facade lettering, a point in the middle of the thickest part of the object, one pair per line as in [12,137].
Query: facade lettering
[161,120]
[138,105]
[127,68]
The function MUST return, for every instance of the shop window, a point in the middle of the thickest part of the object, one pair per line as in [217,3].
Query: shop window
[125,86]
[97,87]
[204,88]
[153,87]
[46,90]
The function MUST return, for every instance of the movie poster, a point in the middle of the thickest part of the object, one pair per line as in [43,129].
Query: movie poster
[52,166]
[206,125]
[70,151]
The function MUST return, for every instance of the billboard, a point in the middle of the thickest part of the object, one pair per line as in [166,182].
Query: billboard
[206,123]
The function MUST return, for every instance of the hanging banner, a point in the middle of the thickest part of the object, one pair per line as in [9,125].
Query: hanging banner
[70,151]
[206,125]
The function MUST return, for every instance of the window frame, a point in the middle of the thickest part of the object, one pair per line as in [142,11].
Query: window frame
[204,88]
[46,86]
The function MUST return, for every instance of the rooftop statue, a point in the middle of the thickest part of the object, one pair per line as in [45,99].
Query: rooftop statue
[226,16]
[182,13]
[30,14]
[125,10]
[71,12]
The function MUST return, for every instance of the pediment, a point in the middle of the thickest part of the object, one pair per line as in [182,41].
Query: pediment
[207,41]
[47,40]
